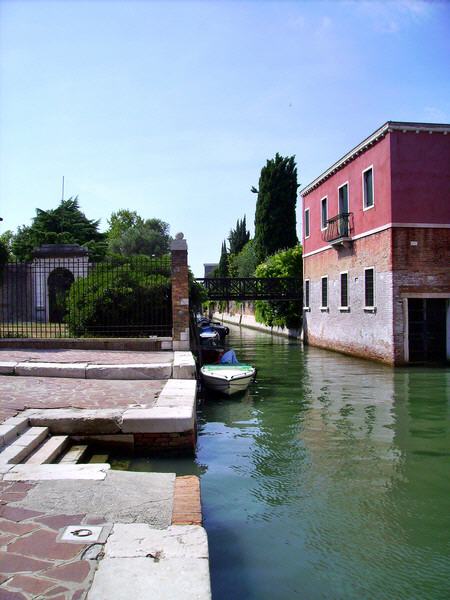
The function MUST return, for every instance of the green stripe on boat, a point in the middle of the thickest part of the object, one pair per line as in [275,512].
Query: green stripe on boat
[218,367]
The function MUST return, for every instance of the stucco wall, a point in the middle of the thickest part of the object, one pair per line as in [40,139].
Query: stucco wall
[363,220]
[420,164]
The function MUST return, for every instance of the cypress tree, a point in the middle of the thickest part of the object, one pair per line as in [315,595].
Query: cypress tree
[275,220]
[238,237]
[222,269]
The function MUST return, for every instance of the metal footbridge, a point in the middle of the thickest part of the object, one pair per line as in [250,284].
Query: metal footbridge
[252,288]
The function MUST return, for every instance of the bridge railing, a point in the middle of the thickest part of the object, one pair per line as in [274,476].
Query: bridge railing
[253,288]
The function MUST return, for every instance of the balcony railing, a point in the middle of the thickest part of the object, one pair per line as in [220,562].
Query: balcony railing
[339,229]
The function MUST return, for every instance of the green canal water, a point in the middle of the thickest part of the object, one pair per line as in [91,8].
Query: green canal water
[329,479]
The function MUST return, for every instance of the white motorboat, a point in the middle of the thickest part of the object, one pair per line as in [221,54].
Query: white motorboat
[227,379]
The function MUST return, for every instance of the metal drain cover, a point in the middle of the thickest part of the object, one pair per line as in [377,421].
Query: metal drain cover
[84,534]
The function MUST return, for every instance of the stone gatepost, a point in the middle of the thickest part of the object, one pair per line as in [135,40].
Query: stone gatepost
[180,293]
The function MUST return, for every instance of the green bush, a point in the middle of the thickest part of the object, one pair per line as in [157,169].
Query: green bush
[287,263]
[121,294]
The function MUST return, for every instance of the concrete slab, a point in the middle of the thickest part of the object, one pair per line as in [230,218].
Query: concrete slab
[68,421]
[51,369]
[183,365]
[130,371]
[122,497]
[140,540]
[18,393]
[7,367]
[57,473]
[159,419]
[144,578]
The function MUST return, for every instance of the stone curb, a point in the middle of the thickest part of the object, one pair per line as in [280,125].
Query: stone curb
[88,370]
[183,365]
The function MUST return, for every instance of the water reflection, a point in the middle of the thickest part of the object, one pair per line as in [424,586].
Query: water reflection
[328,479]
[326,472]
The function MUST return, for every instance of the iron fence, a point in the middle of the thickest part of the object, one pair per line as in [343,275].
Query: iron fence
[73,297]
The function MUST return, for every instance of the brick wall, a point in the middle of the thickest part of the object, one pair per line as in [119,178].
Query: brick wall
[407,262]
[163,444]
[180,294]
[421,260]
[356,331]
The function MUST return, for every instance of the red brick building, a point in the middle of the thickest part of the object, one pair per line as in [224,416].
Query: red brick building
[376,242]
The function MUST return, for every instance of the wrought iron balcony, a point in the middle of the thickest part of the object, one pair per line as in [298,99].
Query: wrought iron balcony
[339,229]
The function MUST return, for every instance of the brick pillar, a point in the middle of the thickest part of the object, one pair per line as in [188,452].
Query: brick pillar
[180,293]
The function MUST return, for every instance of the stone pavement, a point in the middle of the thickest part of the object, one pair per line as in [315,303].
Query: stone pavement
[98,357]
[20,393]
[153,539]
[146,548]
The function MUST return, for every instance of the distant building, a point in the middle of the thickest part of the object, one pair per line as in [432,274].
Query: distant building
[209,269]
[376,240]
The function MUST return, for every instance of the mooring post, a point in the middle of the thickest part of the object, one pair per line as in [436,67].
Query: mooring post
[180,293]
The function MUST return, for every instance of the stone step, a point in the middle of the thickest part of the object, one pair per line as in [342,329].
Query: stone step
[18,450]
[11,429]
[74,454]
[99,458]
[49,450]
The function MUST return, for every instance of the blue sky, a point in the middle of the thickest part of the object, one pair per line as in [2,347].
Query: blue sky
[172,108]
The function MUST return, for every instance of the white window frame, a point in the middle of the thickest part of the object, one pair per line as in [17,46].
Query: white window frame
[322,307]
[307,306]
[344,308]
[321,225]
[309,223]
[374,306]
[373,188]
[348,195]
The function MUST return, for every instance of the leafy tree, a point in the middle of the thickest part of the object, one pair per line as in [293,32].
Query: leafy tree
[66,224]
[197,293]
[238,237]
[275,222]
[129,235]
[6,239]
[287,263]
[120,221]
[244,263]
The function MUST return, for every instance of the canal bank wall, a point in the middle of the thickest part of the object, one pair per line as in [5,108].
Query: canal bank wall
[248,320]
